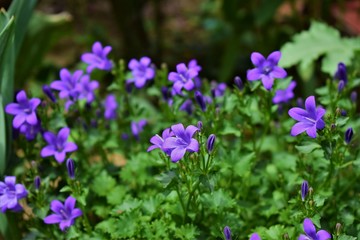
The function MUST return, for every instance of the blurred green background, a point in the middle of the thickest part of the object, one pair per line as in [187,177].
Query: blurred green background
[220,34]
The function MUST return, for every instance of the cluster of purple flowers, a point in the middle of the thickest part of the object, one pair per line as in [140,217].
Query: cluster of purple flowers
[10,194]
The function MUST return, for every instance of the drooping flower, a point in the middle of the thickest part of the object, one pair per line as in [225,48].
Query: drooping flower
[182,141]
[217,89]
[255,236]
[58,145]
[98,58]
[183,78]
[311,233]
[284,95]
[68,85]
[24,110]
[64,214]
[266,69]
[30,131]
[10,194]
[348,135]
[341,73]
[304,189]
[111,106]
[310,118]
[141,71]
[137,127]
[86,88]
[158,141]
[227,233]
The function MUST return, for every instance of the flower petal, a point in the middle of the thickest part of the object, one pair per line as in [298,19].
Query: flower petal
[257,59]
[181,68]
[323,235]
[310,106]
[76,213]
[274,57]
[65,224]
[70,204]
[10,180]
[70,147]
[299,128]
[253,74]
[60,156]
[278,72]
[56,206]
[309,228]
[190,130]
[255,236]
[53,218]
[303,237]
[298,113]
[18,120]
[177,154]
[145,61]
[193,146]
[267,82]
[47,151]
[13,109]
[21,97]
[63,135]
[311,131]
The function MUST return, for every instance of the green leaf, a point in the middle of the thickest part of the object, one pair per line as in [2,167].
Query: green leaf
[242,167]
[186,232]
[308,147]
[103,184]
[320,40]
[116,195]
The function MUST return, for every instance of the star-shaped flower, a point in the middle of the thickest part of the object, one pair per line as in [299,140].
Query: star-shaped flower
[10,194]
[311,233]
[310,118]
[98,58]
[183,78]
[141,71]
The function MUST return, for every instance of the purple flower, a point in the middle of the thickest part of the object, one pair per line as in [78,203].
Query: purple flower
[200,100]
[141,71]
[10,194]
[71,168]
[86,88]
[348,135]
[238,83]
[218,89]
[47,90]
[183,78]
[187,106]
[137,127]
[284,95]
[98,58]
[266,69]
[210,143]
[158,141]
[227,233]
[64,214]
[37,182]
[58,145]
[181,142]
[68,85]
[111,106]
[30,131]
[309,118]
[255,236]
[311,234]
[24,110]
[353,96]
[341,73]
[304,190]
[193,65]
[167,95]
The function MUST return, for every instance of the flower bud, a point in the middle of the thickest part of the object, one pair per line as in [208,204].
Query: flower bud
[353,96]
[210,143]
[348,135]
[338,228]
[71,168]
[341,85]
[286,236]
[199,125]
[227,233]
[200,100]
[47,90]
[165,93]
[304,190]
[37,182]
[238,83]
[341,73]
[343,113]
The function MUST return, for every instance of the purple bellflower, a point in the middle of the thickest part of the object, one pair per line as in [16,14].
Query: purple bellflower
[182,141]
[183,78]
[86,88]
[141,71]
[111,106]
[266,69]
[311,233]
[227,233]
[98,58]
[68,85]
[138,127]
[194,65]
[58,145]
[64,214]
[217,89]
[255,236]
[24,110]
[284,95]
[158,141]
[310,118]
[30,131]
[10,194]
[348,135]
[341,73]
[304,190]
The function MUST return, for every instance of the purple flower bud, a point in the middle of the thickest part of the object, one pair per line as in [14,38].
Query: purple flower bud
[348,135]
[199,125]
[238,83]
[304,190]
[341,85]
[47,90]
[210,143]
[37,182]
[165,93]
[200,100]
[353,96]
[187,106]
[341,73]
[343,113]
[227,233]
[71,168]
[124,136]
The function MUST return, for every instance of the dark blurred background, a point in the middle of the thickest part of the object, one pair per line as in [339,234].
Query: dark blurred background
[220,34]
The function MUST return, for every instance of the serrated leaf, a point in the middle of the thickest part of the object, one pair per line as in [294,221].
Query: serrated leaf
[319,40]
[308,148]
[103,184]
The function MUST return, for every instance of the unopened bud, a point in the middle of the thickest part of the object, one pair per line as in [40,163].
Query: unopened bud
[304,190]
[48,92]
[37,182]
[348,135]
[227,233]
[341,85]
[353,96]
[238,83]
[210,143]
[71,168]
[338,229]
[200,100]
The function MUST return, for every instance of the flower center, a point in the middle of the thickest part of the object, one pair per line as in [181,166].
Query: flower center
[10,193]
[310,120]
[27,110]
[64,214]
[184,79]
[59,147]
[267,69]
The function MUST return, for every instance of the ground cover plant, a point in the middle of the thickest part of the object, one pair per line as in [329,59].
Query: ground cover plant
[115,149]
